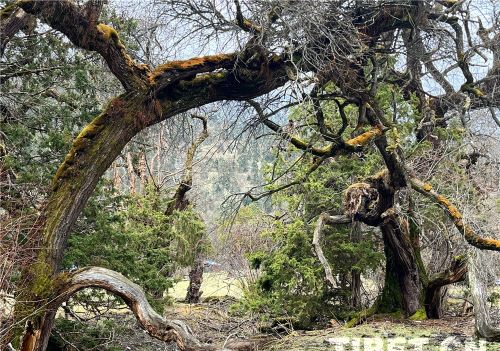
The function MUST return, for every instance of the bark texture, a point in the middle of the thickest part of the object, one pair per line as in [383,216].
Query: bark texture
[96,277]
[435,293]
[402,288]
[194,292]
[484,325]
[13,19]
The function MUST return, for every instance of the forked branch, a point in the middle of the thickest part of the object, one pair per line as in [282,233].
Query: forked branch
[333,149]
[179,201]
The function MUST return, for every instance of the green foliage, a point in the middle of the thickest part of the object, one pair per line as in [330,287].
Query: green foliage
[292,281]
[133,235]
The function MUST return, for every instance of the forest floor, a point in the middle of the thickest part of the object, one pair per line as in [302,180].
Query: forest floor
[213,322]
[451,333]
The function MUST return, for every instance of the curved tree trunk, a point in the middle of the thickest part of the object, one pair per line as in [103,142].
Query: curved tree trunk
[96,277]
[157,98]
[435,290]
[484,325]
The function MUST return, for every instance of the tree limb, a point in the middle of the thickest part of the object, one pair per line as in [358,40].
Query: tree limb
[13,20]
[470,235]
[330,150]
[323,219]
[178,201]
[132,294]
[82,31]
[433,291]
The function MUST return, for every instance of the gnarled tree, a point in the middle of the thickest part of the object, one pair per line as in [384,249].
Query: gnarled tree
[333,50]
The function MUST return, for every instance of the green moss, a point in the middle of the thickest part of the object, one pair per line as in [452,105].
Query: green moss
[90,130]
[360,317]
[203,79]
[391,298]
[82,141]
[420,315]
[42,284]
[469,88]
[108,32]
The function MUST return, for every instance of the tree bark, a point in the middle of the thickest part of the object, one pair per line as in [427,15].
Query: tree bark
[402,290]
[195,279]
[356,237]
[96,277]
[11,24]
[435,293]
[484,325]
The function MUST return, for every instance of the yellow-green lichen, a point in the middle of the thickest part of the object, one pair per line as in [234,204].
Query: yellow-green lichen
[469,88]
[193,64]
[420,315]
[365,137]
[202,79]
[108,32]
[42,284]
[82,141]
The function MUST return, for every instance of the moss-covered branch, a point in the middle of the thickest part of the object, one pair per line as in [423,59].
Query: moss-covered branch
[456,216]
[333,149]
[81,28]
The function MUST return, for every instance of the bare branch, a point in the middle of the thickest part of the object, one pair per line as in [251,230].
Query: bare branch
[179,201]
[323,219]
